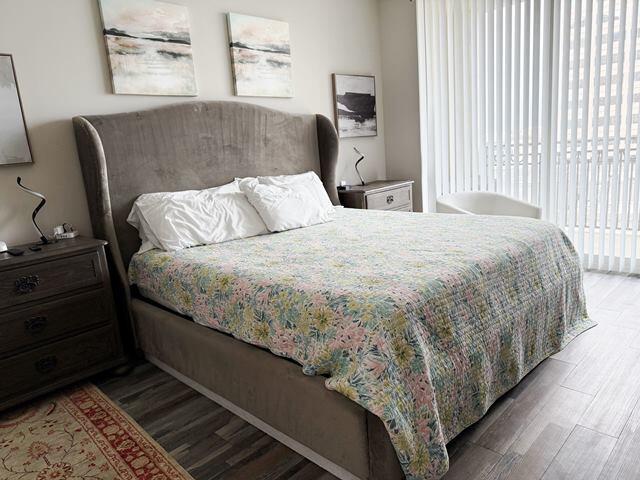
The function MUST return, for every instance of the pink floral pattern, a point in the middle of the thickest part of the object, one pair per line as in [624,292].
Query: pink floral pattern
[424,320]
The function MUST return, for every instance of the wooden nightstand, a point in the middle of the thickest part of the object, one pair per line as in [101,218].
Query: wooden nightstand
[382,195]
[57,318]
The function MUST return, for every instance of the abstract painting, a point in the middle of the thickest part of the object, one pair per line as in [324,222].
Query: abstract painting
[14,144]
[355,99]
[260,56]
[149,47]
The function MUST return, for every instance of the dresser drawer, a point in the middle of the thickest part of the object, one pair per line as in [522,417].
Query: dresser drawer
[37,368]
[45,321]
[389,200]
[404,208]
[34,282]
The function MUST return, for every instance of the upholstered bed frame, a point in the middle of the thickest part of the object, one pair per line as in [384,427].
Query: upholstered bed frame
[199,145]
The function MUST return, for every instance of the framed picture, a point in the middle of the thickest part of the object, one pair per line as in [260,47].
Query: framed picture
[14,140]
[260,56]
[149,47]
[355,104]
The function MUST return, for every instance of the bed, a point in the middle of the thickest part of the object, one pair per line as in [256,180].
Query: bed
[366,343]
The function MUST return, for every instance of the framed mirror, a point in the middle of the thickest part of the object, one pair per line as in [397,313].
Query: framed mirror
[14,141]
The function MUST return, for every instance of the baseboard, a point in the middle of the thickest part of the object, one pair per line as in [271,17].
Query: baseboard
[294,445]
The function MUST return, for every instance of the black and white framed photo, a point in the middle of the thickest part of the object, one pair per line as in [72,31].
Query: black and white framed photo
[14,142]
[355,104]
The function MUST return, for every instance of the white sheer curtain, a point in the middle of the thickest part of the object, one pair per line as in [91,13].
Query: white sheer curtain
[538,99]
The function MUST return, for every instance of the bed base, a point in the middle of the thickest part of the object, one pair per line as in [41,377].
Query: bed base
[293,444]
[269,392]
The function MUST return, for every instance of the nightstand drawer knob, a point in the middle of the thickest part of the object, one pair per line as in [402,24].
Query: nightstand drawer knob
[47,364]
[35,325]
[27,284]
[389,199]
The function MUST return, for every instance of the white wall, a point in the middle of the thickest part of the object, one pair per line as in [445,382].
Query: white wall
[62,71]
[401,94]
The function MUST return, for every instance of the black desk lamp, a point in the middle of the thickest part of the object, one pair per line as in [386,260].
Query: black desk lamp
[43,200]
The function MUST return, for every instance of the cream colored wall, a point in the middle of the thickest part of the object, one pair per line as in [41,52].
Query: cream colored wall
[62,71]
[401,93]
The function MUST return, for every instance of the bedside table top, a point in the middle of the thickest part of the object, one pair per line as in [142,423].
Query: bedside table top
[377,186]
[61,247]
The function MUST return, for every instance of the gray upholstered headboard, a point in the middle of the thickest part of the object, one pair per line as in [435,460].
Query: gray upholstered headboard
[191,146]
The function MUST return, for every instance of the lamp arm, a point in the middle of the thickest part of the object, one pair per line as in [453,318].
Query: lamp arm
[43,200]
[356,165]
[358,171]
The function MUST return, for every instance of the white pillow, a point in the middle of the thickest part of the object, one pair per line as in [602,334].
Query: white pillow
[201,219]
[148,238]
[285,207]
[310,179]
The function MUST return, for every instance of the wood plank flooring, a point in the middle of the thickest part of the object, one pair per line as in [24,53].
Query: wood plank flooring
[576,416]
[207,440]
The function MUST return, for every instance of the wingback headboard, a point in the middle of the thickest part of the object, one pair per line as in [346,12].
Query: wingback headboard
[191,145]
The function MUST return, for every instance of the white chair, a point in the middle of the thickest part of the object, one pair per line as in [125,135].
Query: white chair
[486,203]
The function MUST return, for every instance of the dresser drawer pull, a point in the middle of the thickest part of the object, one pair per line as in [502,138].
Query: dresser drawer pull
[389,199]
[47,364]
[35,325]
[27,284]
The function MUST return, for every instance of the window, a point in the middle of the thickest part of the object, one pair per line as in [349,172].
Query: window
[539,99]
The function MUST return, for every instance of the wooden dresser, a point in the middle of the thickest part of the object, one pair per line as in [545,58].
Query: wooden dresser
[382,195]
[57,318]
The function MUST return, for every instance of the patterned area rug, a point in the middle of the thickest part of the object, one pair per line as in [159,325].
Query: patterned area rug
[80,434]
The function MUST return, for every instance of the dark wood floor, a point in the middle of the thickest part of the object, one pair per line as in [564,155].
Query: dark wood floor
[207,440]
[576,416]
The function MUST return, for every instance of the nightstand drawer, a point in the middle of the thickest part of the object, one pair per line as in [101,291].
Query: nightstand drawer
[390,199]
[45,321]
[49,278]
[404,208]
[47,364]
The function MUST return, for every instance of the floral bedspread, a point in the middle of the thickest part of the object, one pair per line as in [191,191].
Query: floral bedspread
[424,320]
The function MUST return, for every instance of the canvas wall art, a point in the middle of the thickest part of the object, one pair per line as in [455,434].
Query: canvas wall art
[14,143]
[355,103]
[149,47]
[260,56]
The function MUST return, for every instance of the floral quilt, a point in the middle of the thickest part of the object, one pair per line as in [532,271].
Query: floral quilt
[422,319]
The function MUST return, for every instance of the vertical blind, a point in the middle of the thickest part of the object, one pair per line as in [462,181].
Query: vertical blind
[539,100]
